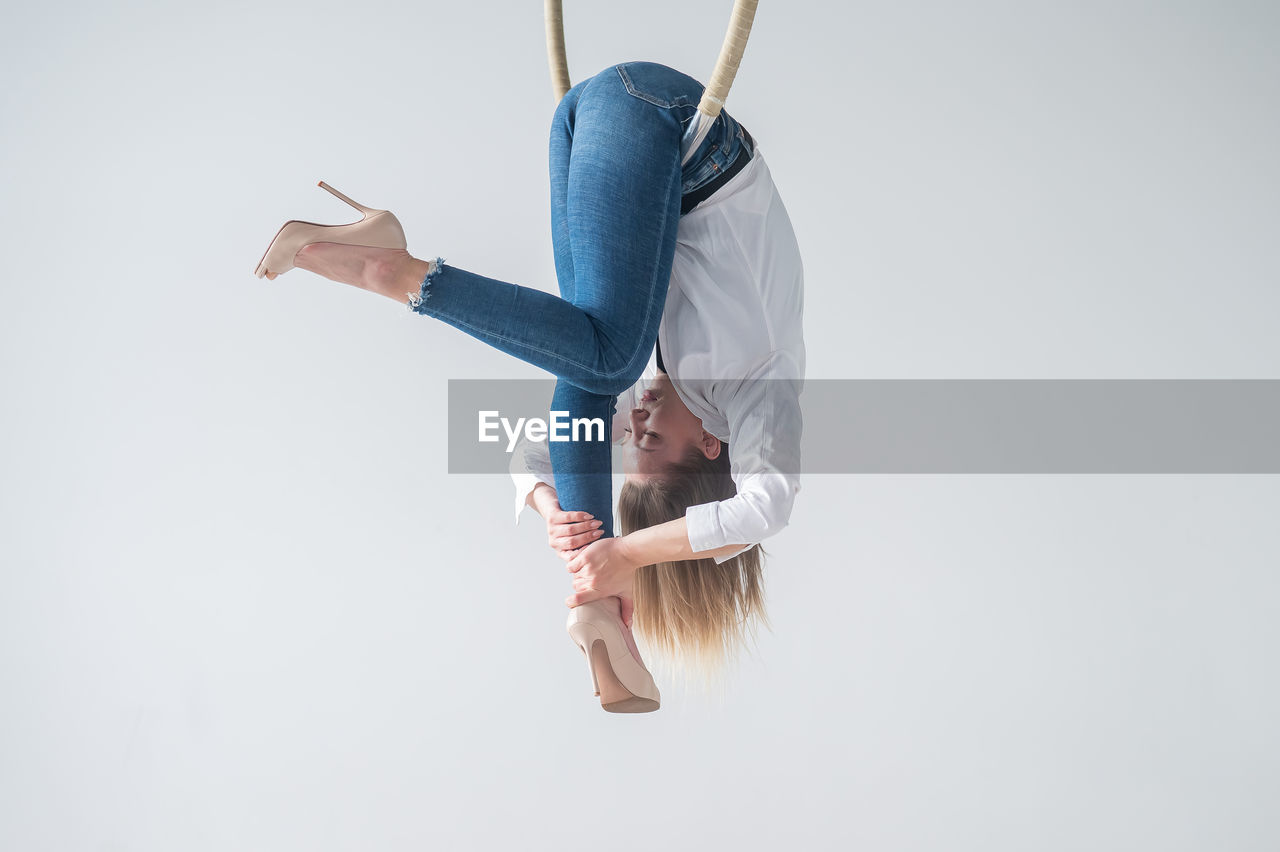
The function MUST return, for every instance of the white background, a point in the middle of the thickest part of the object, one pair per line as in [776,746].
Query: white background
[242,606]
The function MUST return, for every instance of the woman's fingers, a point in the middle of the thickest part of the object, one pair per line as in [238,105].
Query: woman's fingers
[560,531]
[584,584]
[570,517]
[573,542]
[569,534]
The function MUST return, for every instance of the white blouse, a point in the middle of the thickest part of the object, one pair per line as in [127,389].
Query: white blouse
[733,344]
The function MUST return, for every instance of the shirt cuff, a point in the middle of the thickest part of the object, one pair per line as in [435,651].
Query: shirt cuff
[705,533]
[525,483]
[743,549]
[703,523]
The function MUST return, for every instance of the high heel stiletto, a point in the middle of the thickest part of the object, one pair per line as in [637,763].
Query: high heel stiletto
[622,682]
[376,228]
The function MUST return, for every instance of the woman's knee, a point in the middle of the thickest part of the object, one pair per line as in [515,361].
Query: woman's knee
[616,382]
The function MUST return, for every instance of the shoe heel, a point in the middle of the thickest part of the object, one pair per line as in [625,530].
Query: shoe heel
[586,636]
[365,210]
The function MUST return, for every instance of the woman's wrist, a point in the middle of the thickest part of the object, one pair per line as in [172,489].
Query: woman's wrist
[543,499]
[631,548]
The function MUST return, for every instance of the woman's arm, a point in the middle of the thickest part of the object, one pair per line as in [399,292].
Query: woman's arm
[669,542]
[607,567]
[765,428]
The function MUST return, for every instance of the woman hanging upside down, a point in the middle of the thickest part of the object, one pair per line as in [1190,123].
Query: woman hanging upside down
[679,322]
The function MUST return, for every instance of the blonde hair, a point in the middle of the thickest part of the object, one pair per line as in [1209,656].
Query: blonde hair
[695,614]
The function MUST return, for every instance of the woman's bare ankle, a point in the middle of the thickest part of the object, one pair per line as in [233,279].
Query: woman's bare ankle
[405,281]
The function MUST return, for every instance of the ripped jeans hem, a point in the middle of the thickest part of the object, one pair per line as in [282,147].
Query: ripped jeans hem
[418,299]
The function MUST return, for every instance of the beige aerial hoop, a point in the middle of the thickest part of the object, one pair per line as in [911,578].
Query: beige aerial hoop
[717,90]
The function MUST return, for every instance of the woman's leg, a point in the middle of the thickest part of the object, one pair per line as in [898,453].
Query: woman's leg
[583,476]
[560,153]
[616,189]
[582,469]
[620,214]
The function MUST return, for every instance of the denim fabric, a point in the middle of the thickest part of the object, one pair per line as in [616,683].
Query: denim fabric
[616,190]
[669,89]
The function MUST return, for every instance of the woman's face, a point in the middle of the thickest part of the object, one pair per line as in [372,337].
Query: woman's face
[661,431]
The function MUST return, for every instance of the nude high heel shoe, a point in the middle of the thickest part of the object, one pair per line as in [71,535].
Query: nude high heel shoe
[622,682]
[376,228]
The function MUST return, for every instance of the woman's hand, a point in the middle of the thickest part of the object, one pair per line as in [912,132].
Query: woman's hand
[600,570]
[566,531]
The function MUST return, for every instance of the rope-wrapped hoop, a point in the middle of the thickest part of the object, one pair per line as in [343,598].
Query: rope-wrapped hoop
[717,90]
[556,58]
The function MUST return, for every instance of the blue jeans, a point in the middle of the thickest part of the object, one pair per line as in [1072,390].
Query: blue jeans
[617,188]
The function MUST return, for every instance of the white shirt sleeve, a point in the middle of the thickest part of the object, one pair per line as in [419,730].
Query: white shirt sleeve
[765,427]
[531,460]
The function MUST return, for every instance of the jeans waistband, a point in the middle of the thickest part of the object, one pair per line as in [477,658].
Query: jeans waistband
[708,189]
